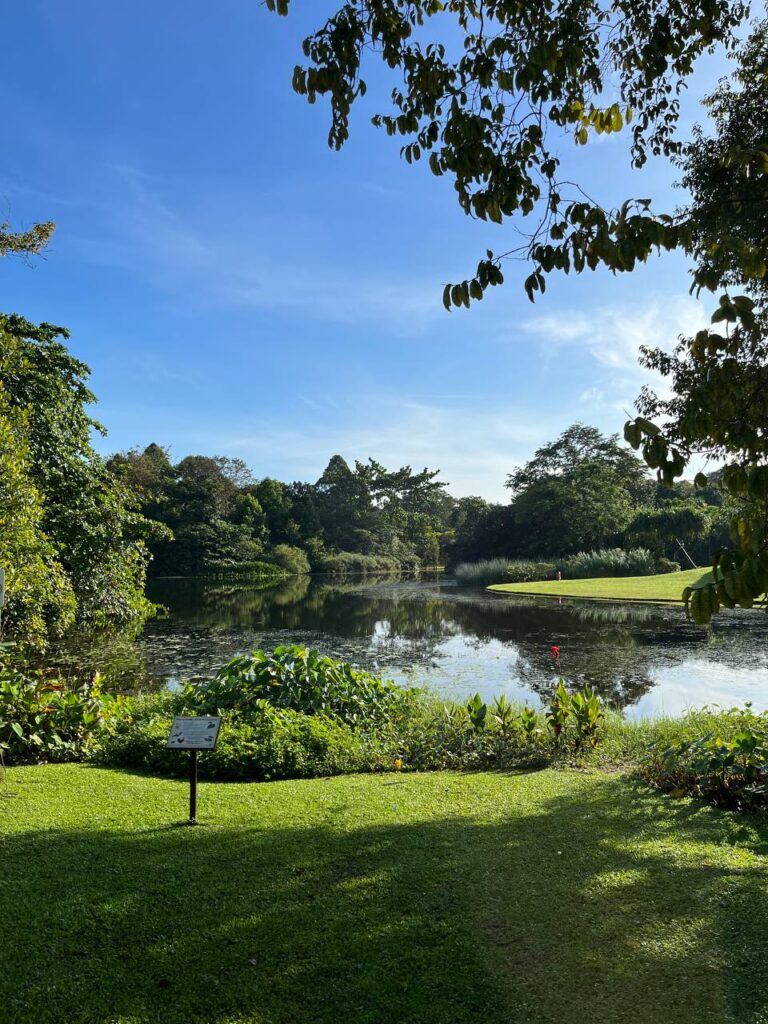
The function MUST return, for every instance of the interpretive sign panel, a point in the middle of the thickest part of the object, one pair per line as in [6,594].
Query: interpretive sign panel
[189,733]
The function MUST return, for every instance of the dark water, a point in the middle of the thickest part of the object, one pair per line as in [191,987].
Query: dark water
[453,639]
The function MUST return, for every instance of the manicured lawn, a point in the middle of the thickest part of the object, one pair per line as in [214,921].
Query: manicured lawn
[417,899]
[666,588]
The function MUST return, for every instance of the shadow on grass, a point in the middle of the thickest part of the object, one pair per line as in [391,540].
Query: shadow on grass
[597,910]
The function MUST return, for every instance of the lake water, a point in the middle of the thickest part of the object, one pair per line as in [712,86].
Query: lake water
[455,640]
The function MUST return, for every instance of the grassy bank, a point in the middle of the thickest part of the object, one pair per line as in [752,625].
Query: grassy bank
[438,899]
[667,588]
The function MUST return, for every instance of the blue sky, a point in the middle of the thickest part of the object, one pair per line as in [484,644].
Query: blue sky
[240,289]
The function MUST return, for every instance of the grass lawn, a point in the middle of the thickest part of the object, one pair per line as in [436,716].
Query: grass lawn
[552,896]
[666,588]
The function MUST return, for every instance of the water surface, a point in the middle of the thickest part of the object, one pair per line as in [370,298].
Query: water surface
[456,640]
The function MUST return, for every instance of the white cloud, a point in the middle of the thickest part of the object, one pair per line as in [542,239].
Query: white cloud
[612,337]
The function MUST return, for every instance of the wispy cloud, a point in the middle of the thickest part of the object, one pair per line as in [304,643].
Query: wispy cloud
[208,260]
[612,337]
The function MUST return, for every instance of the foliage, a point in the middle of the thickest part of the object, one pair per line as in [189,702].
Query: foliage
[576,493]
[718,409]
[348,563]
[39,598]
[266,743]
[291,560]
[665,565]
[49,718]
[727,765]
[718,379]
[610,562]
[24,243]
[484,99]
[293,677]
[725,174]
[88,516]
[243,570]
[493,570]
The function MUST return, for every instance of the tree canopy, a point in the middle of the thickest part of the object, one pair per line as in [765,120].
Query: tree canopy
[485,89]
[88,525]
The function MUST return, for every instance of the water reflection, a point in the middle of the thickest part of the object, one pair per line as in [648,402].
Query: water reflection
[456,640]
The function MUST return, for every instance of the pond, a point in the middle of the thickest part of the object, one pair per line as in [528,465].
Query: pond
[453,639]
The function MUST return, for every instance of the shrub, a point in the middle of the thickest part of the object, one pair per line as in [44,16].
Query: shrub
[665,565]
[350,563]
[725,765]
[46,718]
[529,572]
[291,559]
[610,562]
[251,570]
[501,570]
[293,677]
[273,743]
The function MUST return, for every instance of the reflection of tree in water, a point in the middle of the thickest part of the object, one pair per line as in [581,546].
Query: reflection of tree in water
[393,626]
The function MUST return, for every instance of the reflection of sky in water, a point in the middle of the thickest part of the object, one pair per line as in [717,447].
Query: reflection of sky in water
[453,640]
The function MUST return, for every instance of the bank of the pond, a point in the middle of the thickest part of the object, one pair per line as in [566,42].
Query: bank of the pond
[664,589]
[548,896]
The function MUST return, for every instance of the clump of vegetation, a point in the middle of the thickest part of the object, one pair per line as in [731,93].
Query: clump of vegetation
[350,563]
[243,570]
[290,559]
[50,718]
[496,570]
[719,756]
[610,562]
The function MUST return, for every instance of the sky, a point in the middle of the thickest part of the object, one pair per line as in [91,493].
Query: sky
[238,288]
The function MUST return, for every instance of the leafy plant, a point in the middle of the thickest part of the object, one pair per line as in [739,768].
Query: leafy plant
[503,713]
[587,711]
[303,680]
[477,711]
[49,718]
[559,711]
[529,720]
[730,771]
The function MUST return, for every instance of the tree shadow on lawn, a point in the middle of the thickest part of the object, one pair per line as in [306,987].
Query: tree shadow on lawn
[616,906]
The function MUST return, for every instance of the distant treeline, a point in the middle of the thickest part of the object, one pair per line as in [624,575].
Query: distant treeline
[582,492]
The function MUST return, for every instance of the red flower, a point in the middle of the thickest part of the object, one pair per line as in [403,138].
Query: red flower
[555,652]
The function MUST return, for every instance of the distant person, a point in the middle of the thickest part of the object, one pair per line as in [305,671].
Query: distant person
[559,576]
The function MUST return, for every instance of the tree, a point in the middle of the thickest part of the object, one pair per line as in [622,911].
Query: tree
[485,111]
[725,173]
[718,411]
[719,378]
[89,516]
[577,493]
[40,600]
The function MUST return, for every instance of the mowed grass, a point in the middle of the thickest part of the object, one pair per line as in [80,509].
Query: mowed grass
[553,896]
[667,588]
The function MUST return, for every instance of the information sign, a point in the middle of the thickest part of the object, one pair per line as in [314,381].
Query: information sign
[189,733]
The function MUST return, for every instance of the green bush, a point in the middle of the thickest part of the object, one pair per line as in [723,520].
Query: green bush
[290,559]
[665,565]
[228,570]
[273,743]
[719,756]
[293,677]
[49,718]
[350,563]
[503,570]
[609,562]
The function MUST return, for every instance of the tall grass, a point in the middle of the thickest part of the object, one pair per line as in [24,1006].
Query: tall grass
[503,570]
[587,565]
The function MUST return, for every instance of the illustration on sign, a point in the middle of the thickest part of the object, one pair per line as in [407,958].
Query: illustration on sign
[194,733]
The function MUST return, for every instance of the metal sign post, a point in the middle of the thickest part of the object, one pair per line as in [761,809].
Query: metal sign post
[193,734]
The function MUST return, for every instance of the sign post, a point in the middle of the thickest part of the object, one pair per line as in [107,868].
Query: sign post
[193,734]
